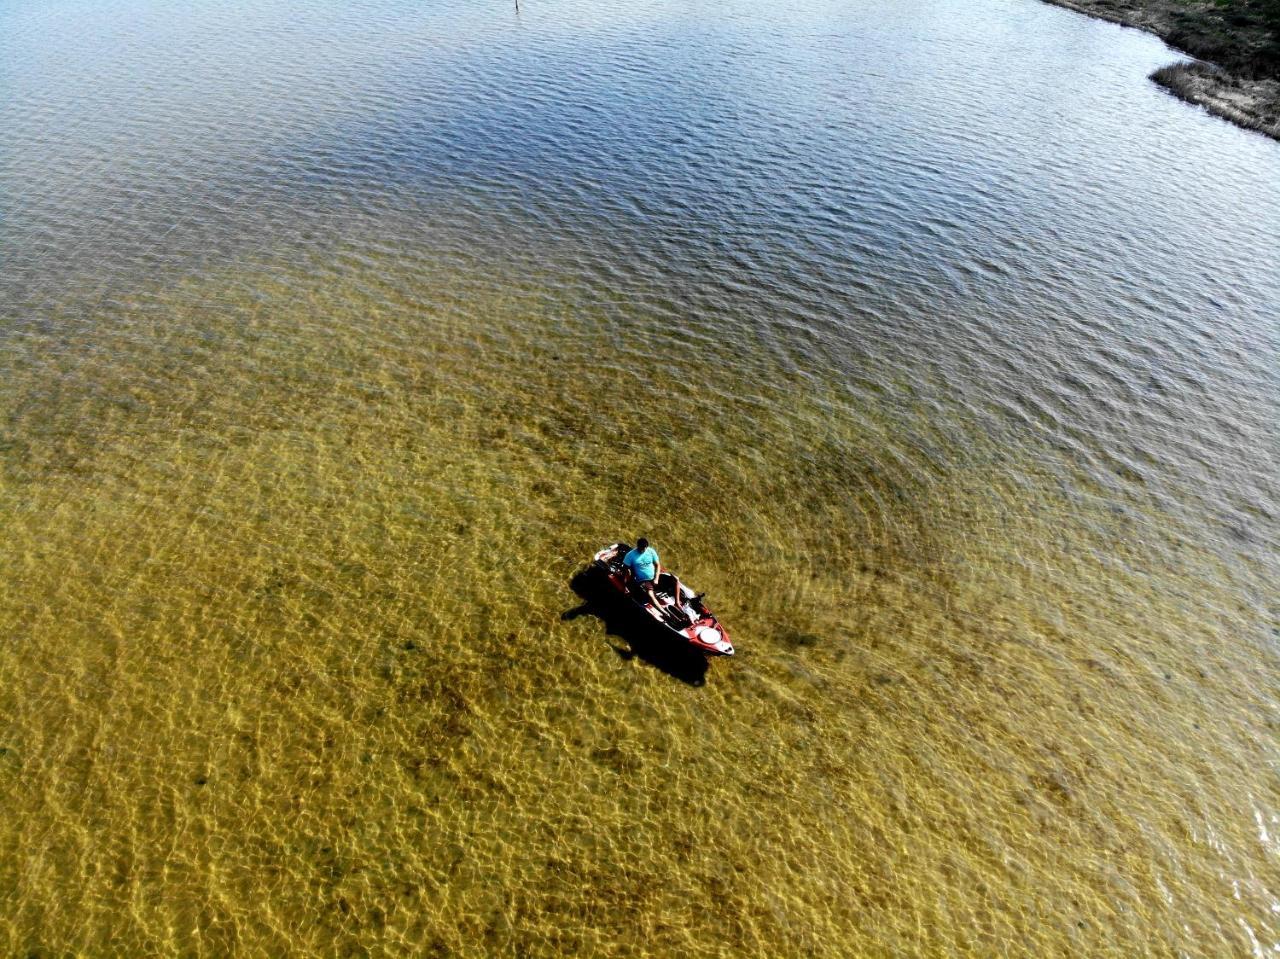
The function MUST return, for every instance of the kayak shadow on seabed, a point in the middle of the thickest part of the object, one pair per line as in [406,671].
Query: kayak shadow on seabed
[643,639]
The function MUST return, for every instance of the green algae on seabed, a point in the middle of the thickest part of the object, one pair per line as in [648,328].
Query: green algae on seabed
[286,672]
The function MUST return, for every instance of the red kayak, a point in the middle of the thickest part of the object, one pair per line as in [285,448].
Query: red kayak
[680,611]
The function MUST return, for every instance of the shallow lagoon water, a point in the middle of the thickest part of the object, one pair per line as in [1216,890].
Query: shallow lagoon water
[932,341]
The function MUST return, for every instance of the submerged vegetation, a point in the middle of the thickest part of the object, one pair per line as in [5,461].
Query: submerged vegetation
[1236,41]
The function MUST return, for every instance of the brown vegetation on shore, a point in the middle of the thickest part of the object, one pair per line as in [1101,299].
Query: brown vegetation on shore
[1237,42]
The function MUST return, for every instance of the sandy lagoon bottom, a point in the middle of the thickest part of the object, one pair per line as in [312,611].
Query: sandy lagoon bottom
[286,667]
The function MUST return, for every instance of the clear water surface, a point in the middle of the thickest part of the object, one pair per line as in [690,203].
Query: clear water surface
[933,341]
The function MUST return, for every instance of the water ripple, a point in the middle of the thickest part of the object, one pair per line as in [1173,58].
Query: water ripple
[333,339]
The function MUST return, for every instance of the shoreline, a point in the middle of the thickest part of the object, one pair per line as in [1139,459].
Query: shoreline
[1236,73]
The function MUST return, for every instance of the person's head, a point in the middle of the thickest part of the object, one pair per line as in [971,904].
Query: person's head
[642,543]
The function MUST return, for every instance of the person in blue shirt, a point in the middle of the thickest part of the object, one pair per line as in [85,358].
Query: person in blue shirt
[644,566]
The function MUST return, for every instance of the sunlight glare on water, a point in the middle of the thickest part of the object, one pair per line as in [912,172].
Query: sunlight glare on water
[932,341]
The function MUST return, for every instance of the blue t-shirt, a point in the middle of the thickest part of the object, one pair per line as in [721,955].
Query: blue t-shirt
[643,566]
